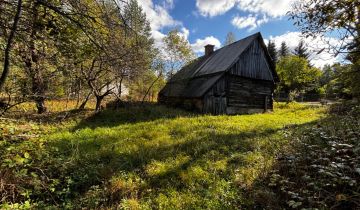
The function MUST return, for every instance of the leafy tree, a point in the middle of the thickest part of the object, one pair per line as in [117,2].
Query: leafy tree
[177,52]
[301,50]
[86,47]
[139,47]
[296,76]
[128,51]
[272,51]
[333,83]
[147,86]
[347,80]
[284,50]
[35,43]
[327,75]
[230,38]
[9,42]
[318,17]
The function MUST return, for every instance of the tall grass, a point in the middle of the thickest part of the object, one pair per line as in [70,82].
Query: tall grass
[158,157]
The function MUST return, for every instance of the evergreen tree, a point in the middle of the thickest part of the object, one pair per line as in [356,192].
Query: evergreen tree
[230,38]
[284,50]
[301,50]
[272,51]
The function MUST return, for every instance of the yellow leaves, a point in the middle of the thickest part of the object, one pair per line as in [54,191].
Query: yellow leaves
[340,197]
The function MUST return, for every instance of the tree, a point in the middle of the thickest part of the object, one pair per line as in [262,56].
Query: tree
[9,44]
[230,38]
[296,76]
[271,47]
[139,46]
[347,80]
[284,50]
[177,52]
[36,38]
[301,50]
[317,18]
[71,43]
[128,51]
[333,83]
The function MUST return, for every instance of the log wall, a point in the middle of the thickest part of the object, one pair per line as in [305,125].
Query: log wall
[248,95]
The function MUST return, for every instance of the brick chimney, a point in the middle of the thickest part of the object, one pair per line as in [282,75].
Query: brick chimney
[209,49]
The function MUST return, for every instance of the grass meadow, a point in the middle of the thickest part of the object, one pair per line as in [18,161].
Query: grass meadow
[144,157]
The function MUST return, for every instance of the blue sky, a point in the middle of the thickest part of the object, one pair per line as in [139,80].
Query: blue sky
[204,22]
[218,26]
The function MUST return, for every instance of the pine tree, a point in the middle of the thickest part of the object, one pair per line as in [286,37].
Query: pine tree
[301,50]
[272,51]
[284,50]
[230,38]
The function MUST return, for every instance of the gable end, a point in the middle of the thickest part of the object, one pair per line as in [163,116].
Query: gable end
[253,63]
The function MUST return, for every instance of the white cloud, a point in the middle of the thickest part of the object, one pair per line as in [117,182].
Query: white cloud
[272,8]
[184,32]
[198,46]
[159,18]
[168,4]
[251,22]
[314,45]
[157,15]
[158,38]
[214,7]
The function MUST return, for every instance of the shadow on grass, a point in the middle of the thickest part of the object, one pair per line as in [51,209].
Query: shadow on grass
[132,114]
[50,117]
[99,163]
[82,159]
[317,172]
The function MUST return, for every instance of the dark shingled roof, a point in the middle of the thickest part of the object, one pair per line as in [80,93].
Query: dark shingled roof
[194,79]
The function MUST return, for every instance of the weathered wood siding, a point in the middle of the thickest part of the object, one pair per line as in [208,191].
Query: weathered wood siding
[215,99]
[253,64]
[248,95]
[245,87]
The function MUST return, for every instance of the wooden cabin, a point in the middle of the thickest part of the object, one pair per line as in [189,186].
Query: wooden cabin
[236,79]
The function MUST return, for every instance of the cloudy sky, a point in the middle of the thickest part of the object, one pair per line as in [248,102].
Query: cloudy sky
[204,22]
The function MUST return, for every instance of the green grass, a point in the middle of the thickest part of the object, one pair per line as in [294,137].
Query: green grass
[146,157]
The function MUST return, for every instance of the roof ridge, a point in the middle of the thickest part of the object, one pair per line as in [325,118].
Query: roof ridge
[251,36]
[218,50]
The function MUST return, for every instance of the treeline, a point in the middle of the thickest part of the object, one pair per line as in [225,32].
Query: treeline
[320,19]
[80,50]
[300,80]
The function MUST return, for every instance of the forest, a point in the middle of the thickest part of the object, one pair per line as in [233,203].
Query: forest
[80,126]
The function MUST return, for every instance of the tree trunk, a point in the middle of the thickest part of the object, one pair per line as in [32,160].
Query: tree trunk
[98,103]
[118,95]
[38,89]
[78,93]
[83,104]
[287,92]
[35,71]
[148,90]
[40,105]
[8,47]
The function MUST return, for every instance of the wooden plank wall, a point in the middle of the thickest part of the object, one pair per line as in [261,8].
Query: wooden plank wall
[253,64]
[249,93]
[215,98]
